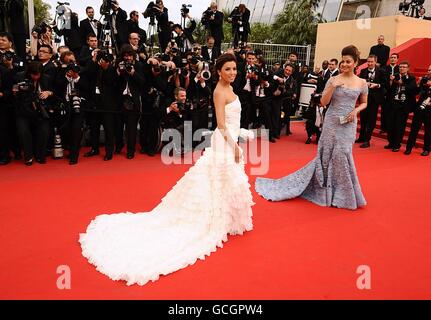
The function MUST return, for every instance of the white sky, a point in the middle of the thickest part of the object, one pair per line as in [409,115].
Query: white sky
[198,7]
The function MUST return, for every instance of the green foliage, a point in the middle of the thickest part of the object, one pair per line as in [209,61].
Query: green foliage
[260,33]
[41,11]
[297,24]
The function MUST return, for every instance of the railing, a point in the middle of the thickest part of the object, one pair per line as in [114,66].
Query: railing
[280,52]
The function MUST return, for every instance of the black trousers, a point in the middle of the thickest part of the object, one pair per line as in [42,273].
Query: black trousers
[131,120]
[421,117]
[199,118]
[164,38]
[368,121]
[397,122]
[266,110]
[247,101]
[386,107]
[95,119]
[276,106]
[72,133]
[119,130]
[8,133]
[33,133]
[149,132]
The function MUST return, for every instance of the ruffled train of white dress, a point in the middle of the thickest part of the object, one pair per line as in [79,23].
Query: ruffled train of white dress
[212,200]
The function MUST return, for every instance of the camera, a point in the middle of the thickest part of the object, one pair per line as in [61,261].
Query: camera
[104,55]
[185,9]
[264,74]
[24,86]
[74,67]
[152,10]
[75,101]
[11,56]
[125,67]
[40,29]
[206,73]
[184,107]
[107,6]
[207,16]
[252,69]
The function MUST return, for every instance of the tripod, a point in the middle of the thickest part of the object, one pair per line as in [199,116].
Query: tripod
[107,37]
[152,30]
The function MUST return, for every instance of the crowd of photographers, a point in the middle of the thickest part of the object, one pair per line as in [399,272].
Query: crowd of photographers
[108,74]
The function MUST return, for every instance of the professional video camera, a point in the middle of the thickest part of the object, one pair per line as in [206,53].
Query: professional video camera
[408,9]
[185,9]
[152,10]
[107,6]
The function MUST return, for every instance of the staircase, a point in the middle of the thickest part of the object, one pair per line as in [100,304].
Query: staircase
[416,52]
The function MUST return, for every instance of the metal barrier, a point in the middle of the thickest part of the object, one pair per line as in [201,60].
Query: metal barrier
[279,52]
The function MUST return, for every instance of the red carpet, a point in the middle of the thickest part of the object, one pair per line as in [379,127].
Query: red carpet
[296,251]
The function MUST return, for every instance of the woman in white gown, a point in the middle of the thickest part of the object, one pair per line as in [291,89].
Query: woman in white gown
[212,200]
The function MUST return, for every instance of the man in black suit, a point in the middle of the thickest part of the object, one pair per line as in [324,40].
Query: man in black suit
[132,26]
[44,55]
[381,51]
[184,37]
[163,26]
[118,23]
[213,21]
[422,115]
[87,51]
[391,69]
[240,19]
[403,99]
[376,81]
[210,52]
[89,25]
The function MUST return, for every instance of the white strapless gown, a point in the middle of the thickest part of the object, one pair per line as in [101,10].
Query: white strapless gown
[212,200]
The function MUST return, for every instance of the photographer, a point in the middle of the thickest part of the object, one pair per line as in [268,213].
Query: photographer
[391,69]
[210,52]
[174,114]
[158,11]
[249,81]
[240,19]
[140,49]
[72,35]
[403,99]
[103,102]
[132,26]
[131,83]
[87,51]
[6,114]
[34,96]
[71,89]
[152,106]
[199,93]
[284,93]
[116,23]
[263,96]
[376,80]
[422,115]
[184,38]
[44,56]
[42,35]
[212,19]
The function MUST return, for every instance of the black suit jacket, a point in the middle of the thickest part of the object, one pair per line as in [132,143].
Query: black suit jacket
[216,26]
[382,53]
[85,29]
[133,27]
[216,52]
[376,96]
[16,15]
[136,85]
[410,91]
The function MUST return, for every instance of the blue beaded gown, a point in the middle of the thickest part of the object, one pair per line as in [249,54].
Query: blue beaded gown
[330,179]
